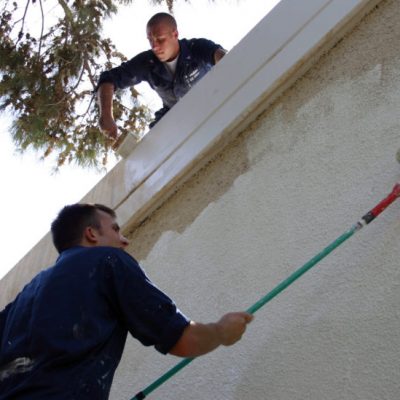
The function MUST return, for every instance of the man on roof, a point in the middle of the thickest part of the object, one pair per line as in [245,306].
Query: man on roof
[171,68]
[63,336]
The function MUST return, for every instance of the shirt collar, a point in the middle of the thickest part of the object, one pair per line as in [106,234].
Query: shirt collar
[69,251]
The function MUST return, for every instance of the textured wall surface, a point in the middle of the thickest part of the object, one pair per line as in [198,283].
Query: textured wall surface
[212,114]
[297,178]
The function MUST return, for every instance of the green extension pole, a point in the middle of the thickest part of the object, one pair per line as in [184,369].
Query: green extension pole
[365,220]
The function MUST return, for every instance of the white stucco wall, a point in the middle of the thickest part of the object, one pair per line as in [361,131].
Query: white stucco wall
[295,179]
[312,165]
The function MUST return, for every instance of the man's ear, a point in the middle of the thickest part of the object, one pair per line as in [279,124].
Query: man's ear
[91,235]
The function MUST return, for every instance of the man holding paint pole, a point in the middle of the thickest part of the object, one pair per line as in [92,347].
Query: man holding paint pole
[64,334]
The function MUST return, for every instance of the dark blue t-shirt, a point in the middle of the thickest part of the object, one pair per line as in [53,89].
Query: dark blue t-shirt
[64,334]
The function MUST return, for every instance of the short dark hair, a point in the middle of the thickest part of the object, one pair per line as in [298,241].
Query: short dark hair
[67,229]
[162,17]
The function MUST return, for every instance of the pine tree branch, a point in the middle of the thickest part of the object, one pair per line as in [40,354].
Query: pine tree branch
[67,10]
[23,23]
[42,28]
[82,116]
[78,81]
[89,72]
[47,80]
[5,6]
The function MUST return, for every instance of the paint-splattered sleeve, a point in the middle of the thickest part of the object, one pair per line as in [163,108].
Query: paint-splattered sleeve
[149,314]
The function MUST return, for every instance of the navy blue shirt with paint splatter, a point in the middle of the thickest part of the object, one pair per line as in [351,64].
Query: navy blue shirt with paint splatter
[196,58]
[64,334]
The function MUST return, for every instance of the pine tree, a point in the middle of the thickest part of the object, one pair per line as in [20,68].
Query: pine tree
[48,74]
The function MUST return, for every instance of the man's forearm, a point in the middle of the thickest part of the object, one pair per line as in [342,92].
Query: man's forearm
[198,339]
[105,96]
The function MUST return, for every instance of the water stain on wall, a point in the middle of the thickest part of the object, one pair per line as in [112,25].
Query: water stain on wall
[189,200]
